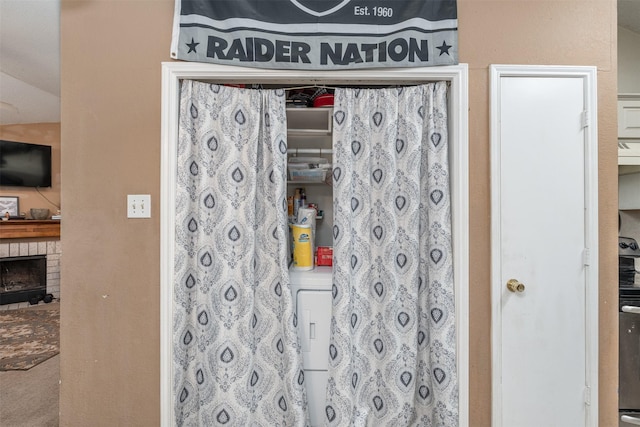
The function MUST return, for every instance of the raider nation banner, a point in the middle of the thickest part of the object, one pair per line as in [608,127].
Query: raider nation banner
[316,34]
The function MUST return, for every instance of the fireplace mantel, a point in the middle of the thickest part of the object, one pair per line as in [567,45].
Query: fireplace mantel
[28,228]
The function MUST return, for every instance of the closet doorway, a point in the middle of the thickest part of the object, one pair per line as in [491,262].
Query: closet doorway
[456,76]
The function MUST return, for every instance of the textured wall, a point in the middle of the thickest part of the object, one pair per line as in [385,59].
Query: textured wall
[111,54]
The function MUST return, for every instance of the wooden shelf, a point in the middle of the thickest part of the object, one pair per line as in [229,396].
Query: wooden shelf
[29,228]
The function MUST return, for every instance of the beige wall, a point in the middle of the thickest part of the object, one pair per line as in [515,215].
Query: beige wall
[111,54]
[539,32]
[36,133]
[628,61]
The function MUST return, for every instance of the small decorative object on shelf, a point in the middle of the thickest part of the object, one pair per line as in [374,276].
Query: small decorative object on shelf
[9,205]
[39,214]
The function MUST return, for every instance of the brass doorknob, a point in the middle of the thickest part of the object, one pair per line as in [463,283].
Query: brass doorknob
[514,286]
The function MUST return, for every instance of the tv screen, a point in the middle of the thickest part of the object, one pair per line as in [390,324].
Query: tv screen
[25,165]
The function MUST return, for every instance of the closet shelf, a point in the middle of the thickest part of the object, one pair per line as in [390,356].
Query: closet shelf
[308,132]
[309,121]
[289,182]
[318,151]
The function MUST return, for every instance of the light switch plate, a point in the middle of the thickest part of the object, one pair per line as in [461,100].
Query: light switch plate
[138,206]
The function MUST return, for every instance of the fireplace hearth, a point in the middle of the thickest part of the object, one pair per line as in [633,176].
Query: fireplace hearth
[23,278]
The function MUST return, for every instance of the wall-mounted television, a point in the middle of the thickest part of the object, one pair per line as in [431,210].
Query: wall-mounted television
[25,165]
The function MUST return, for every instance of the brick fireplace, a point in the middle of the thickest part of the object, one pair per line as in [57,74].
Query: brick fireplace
[23,278]
[50,250]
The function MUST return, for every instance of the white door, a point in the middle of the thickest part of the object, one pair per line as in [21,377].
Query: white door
[544,329]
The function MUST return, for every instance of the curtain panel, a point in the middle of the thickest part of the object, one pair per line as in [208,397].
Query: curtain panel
[392,354]
[237,361]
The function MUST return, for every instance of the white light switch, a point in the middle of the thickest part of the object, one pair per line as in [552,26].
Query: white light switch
[138,206]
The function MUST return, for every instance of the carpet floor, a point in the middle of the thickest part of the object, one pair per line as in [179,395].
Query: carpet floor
[30,398]
[28,337]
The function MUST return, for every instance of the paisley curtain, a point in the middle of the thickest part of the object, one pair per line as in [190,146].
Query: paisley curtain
[236,357]
[392,354]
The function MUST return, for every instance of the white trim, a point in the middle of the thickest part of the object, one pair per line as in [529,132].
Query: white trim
[169,133]
[589,75]
[173,72]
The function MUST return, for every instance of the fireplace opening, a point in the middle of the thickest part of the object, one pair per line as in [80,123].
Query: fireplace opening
[23,279]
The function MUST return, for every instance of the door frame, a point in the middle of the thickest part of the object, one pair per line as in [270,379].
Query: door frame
[588,74]
[457,76]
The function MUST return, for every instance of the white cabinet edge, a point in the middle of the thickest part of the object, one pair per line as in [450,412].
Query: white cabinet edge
[628,116]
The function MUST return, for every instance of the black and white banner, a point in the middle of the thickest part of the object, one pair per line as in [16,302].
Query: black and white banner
[316,34]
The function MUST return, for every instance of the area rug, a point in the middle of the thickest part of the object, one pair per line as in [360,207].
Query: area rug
[28,337]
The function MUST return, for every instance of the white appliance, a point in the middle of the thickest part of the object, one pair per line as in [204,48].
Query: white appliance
[311,292]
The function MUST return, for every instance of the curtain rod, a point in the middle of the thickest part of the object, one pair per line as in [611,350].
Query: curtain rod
[310,87]
[318,151]
[448,82]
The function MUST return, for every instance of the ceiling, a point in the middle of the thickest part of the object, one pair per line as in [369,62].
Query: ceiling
[30,57]
[29,61]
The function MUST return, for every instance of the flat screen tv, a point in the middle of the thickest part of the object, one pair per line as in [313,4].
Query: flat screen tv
[25,165]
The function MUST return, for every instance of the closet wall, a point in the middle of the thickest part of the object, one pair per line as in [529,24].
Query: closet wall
[309,135]
[111,55]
